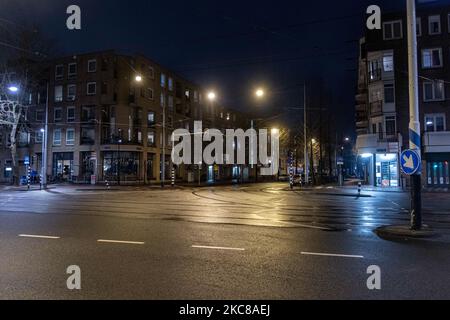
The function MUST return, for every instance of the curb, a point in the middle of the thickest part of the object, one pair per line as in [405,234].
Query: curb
[405,231]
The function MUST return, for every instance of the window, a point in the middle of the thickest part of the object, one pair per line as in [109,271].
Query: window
[150,138]
[72,69]
[418,26]
[170,84]
[390,126]
[151,72]
[435,122]
[170,103]
[92,65]
[163,80]
[448,22]
[71,92]
[389,93]
[431,58]
[433,91]
[87,136]
[195,96]
[151,118]
[104,88]
[70,114]
[87,113]
[58,114]
[39,115]
[59,72]
[70,137]
[163,102]
[39,137]
[374,70]
[57,137]
[374,128]
[104,64]
[388,62]
[392,30]
[58,93]
[91,88]
[149,93]
[434,25]
[380,131]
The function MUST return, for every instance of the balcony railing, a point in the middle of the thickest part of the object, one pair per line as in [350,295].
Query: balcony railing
[437,141]
[116,141]
[375,75]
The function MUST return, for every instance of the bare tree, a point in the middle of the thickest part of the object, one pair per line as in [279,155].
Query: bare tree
[11,114]
[24,50]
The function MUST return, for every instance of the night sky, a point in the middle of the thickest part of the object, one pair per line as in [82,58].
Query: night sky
[231,46]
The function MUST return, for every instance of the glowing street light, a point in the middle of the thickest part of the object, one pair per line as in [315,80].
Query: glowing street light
[275,131]
[313,140]
[13,89]
[259,93]
[347,139]
[138,78]
[211,96]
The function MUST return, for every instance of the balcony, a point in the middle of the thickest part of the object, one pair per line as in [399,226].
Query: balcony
[124,142]
[436,141]
[375,75]
[378,143]
[361,98]
[376,108]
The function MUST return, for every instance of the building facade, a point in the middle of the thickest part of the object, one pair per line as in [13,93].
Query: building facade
[105,123]
[382,101]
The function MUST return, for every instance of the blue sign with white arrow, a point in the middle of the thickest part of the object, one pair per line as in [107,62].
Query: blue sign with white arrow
[410,162]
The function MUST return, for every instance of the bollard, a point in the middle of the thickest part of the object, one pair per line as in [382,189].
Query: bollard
[359,188]
[173,177]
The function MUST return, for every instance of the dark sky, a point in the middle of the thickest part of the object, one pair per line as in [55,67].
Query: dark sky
[231,46]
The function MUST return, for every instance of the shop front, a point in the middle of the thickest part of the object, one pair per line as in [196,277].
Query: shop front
[437,170]
[387,171]
[63,166]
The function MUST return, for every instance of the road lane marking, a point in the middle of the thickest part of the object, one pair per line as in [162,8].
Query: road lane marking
[332,255]
[37,236]
[218,248]
[120,242]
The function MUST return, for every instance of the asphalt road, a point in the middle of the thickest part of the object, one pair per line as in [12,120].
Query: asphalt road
[249,242]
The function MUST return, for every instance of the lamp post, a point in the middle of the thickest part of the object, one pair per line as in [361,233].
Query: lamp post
[45,143]
[414,124]
[119,158]
[259,93]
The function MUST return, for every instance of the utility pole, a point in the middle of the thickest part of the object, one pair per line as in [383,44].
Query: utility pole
[305,150]
[163,162]
[414,123]
[45,144]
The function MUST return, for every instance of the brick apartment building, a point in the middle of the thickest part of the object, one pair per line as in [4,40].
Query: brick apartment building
[382,103]
[105,123]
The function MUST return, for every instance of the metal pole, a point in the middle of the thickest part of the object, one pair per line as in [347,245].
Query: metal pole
[45,143]
[163,170]
[414,123]
[305,151]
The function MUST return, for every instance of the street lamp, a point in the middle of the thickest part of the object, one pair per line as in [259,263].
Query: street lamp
[13,89]
[259,93]
[138,78]
[212,96]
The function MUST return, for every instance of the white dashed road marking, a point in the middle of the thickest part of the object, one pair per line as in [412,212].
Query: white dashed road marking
[218,248]
[332,255]
[120,242]
[37,236]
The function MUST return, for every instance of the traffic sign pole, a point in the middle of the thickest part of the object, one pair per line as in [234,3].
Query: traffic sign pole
[414,124]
